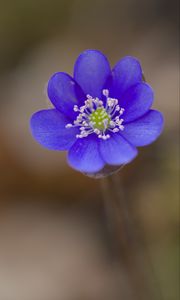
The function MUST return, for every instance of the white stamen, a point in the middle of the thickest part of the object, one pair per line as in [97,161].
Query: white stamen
[76,108]
[105,93]
[69,125]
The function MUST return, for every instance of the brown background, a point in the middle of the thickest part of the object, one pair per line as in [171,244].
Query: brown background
[53,239]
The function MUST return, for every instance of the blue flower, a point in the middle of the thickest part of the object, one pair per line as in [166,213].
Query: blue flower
[100,116]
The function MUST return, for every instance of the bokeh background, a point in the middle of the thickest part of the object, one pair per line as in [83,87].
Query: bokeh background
[53,239]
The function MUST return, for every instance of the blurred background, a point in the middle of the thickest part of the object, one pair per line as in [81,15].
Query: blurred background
[53,230]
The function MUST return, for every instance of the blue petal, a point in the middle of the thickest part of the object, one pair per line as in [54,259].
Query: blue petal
[48,128]
[126,73]
[64,93]
[116,150]
[136,101]
[84,155]
[91,71]
[144,130]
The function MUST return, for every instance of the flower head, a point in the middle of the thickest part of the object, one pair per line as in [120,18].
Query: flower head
[100,116]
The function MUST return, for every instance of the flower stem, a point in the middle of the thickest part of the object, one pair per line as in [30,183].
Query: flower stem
[127,245]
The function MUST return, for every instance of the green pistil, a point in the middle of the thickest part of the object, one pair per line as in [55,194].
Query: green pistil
[100,118]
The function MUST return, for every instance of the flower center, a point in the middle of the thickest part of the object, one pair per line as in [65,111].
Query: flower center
[98,117]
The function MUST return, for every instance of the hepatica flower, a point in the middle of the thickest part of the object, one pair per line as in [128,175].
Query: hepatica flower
[100,116]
